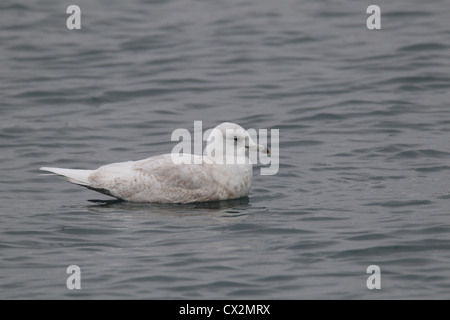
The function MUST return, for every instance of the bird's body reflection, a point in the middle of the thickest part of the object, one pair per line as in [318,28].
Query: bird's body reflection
[224,204]
[230,210]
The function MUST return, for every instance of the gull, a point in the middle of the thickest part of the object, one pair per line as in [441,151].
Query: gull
[223,173]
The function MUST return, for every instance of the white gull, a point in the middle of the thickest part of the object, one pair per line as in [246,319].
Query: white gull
[160,179]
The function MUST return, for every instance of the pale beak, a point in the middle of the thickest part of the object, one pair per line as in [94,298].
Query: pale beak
[257,147]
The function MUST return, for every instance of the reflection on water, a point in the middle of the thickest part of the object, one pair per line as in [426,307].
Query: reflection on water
[212,205]
[226,210]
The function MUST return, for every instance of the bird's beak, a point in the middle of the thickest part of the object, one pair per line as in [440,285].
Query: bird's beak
[257,147]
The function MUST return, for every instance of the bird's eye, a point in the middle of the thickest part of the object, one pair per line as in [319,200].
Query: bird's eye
[235,139]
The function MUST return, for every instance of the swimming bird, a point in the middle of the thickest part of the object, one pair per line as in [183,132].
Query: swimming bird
[224,172]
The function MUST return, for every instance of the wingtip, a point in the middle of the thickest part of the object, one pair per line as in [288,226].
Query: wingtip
[46,169]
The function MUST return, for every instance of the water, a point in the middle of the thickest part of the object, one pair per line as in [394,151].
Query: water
[364,148]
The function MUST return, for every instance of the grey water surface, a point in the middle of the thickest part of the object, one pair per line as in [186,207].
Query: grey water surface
[364,120]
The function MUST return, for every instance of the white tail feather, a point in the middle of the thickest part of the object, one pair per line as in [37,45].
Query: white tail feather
[76,176]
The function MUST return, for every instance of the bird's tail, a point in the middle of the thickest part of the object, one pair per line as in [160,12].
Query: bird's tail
[76,176]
